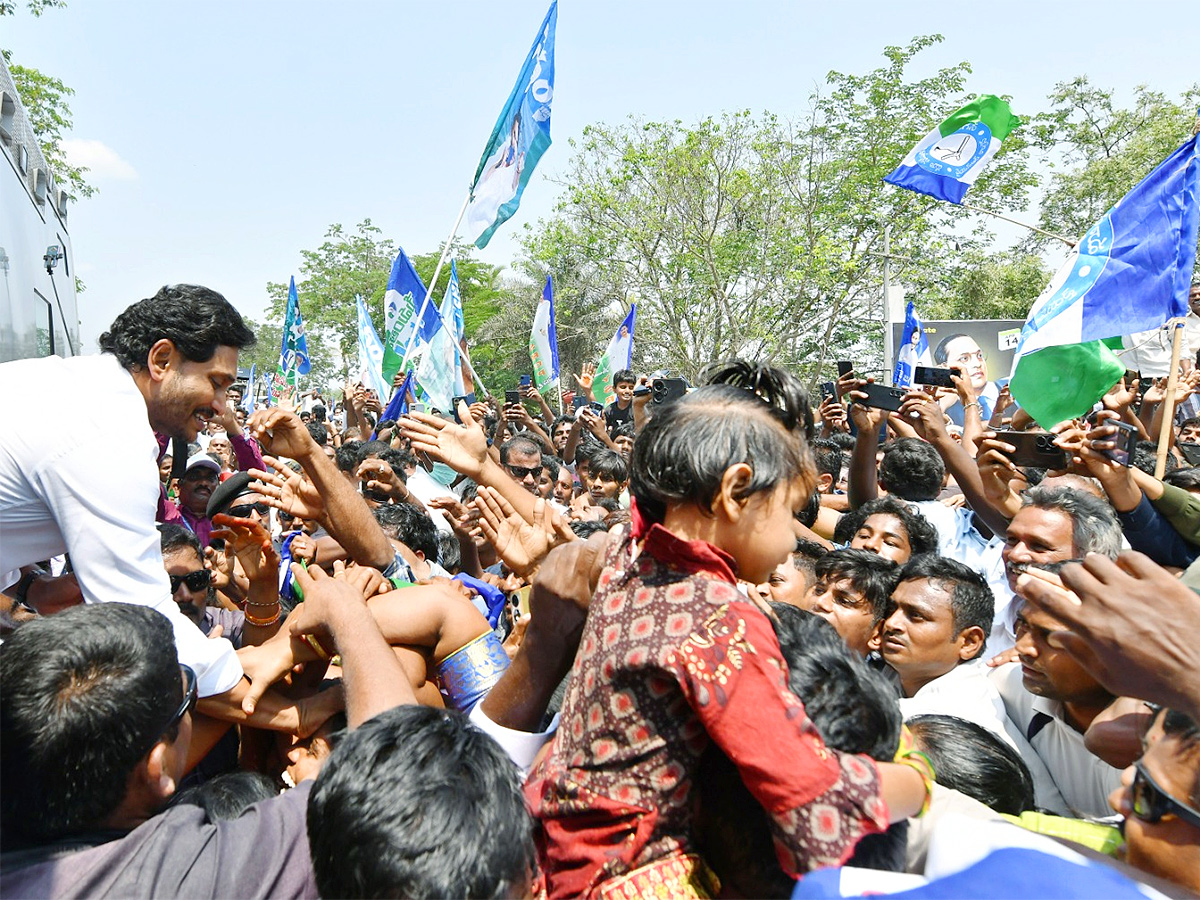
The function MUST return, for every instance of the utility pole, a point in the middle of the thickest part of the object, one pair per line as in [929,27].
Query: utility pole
[889,350]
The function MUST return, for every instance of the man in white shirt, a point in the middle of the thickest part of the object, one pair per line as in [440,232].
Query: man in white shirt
[92,490]
[933,640]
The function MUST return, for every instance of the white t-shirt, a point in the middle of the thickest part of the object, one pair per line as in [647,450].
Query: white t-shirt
[79,474]
[1083,779]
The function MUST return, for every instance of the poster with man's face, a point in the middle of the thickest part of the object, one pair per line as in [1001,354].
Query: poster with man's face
[983,348]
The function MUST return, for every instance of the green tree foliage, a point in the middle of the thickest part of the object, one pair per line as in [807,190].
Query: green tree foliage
[44,99]
[989,286]
[756,236]
[1097,150]
[359,261]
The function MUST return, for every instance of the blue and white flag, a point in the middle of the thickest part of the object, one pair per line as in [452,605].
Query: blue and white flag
[439,372]
[405,296]
[618,355]
[518,140]
[398,405]
[248,396]
[543,341]
[914,349]
[1131,272]
[370,352]
[293,350]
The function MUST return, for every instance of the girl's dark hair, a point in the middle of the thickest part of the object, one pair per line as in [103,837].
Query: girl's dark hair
[754,414]
[195,319]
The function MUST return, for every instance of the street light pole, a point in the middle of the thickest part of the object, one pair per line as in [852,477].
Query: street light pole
[889,351]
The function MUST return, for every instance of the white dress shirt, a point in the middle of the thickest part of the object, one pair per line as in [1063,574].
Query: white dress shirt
[79,474]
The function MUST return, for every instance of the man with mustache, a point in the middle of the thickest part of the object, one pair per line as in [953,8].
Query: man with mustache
[92,491]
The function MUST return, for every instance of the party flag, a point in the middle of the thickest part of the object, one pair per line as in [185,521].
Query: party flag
[914,348]
[293,351]
[948,160]
[617,356]
[543,341]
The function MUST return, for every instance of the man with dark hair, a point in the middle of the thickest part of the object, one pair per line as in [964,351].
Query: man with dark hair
[522,459]
[405,524]
[93,490]
[475,836]
[852,593]
[608,475]
[831,460]
[95,723]
[934,637]
[887,526]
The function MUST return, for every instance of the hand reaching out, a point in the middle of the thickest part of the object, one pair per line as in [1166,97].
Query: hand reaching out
[461,447]
[281,433]
[289,491]
[250,543]
[522,545]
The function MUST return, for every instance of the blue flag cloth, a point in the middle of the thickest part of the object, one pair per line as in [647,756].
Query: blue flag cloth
[398,405]
[618,355]
[519,138]
[293,350]
[543,341]
[492,596]
[248,397]
[1130,272]
[914,348]
[439,372]
[403,300]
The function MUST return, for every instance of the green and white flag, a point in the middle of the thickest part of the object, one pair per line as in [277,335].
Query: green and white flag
[948,160]
[617,356]
[519,138]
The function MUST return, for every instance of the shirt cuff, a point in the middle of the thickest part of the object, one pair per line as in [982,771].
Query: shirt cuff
[521,746]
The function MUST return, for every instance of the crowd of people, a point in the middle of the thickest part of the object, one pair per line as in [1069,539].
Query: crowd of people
[725,643]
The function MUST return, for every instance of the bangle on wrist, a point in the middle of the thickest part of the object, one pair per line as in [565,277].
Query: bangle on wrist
[263,623]
[908,755]
[316,646]
[974,403]
[273,603]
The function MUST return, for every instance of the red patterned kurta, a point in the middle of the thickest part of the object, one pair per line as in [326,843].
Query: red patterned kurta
[672,657]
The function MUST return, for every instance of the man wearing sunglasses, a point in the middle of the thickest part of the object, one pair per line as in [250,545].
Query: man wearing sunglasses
[521,457]
[192,585]
[1160,800]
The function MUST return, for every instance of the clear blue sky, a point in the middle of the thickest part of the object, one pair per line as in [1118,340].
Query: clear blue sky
[227,136]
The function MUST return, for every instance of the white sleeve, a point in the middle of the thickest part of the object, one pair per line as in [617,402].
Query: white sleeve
[521,746]
[104,505]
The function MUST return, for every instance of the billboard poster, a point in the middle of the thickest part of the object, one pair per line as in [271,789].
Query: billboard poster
[983,348]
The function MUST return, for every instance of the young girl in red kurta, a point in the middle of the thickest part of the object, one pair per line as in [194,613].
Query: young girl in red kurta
[674,656]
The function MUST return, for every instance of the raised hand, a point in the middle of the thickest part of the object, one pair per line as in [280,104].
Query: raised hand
[461,447]
[522,545]
[250,543]
[288,491]
[281,433]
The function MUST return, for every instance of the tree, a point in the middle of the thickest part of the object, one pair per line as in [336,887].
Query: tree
[1100,151]
[757,236]
[989,286]
[44,99]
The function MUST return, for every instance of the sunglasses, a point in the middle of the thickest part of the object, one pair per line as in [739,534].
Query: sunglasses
[195,581]
[243,511]
[1151,803]
[522,472]
[190,693]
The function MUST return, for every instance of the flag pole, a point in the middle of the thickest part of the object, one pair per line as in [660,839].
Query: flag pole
[1166,428]
[429,292]
[1051,234]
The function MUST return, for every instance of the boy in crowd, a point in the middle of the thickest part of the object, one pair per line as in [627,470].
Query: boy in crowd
[620,411]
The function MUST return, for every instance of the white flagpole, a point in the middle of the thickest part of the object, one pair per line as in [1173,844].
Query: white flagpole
[429,292]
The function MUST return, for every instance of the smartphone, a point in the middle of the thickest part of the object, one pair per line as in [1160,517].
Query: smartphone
[520,600]
[845,367]
[454,406]
[579,403]
[936,377]
[641,390]
[596,407]
[880,396]
[526,380]
[1191,452]
[1034,448]
[667,390]
[828,391]
[511,397]
[1125,439]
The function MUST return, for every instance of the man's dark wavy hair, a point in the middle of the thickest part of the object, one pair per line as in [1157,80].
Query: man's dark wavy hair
[195,319]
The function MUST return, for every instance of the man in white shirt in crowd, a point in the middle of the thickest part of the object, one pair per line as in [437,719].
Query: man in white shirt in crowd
[1048,696]
[92,490]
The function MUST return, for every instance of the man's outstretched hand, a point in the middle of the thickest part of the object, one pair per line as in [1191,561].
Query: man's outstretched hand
[1132,624]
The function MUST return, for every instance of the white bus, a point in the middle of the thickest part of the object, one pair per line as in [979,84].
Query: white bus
[39,314]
